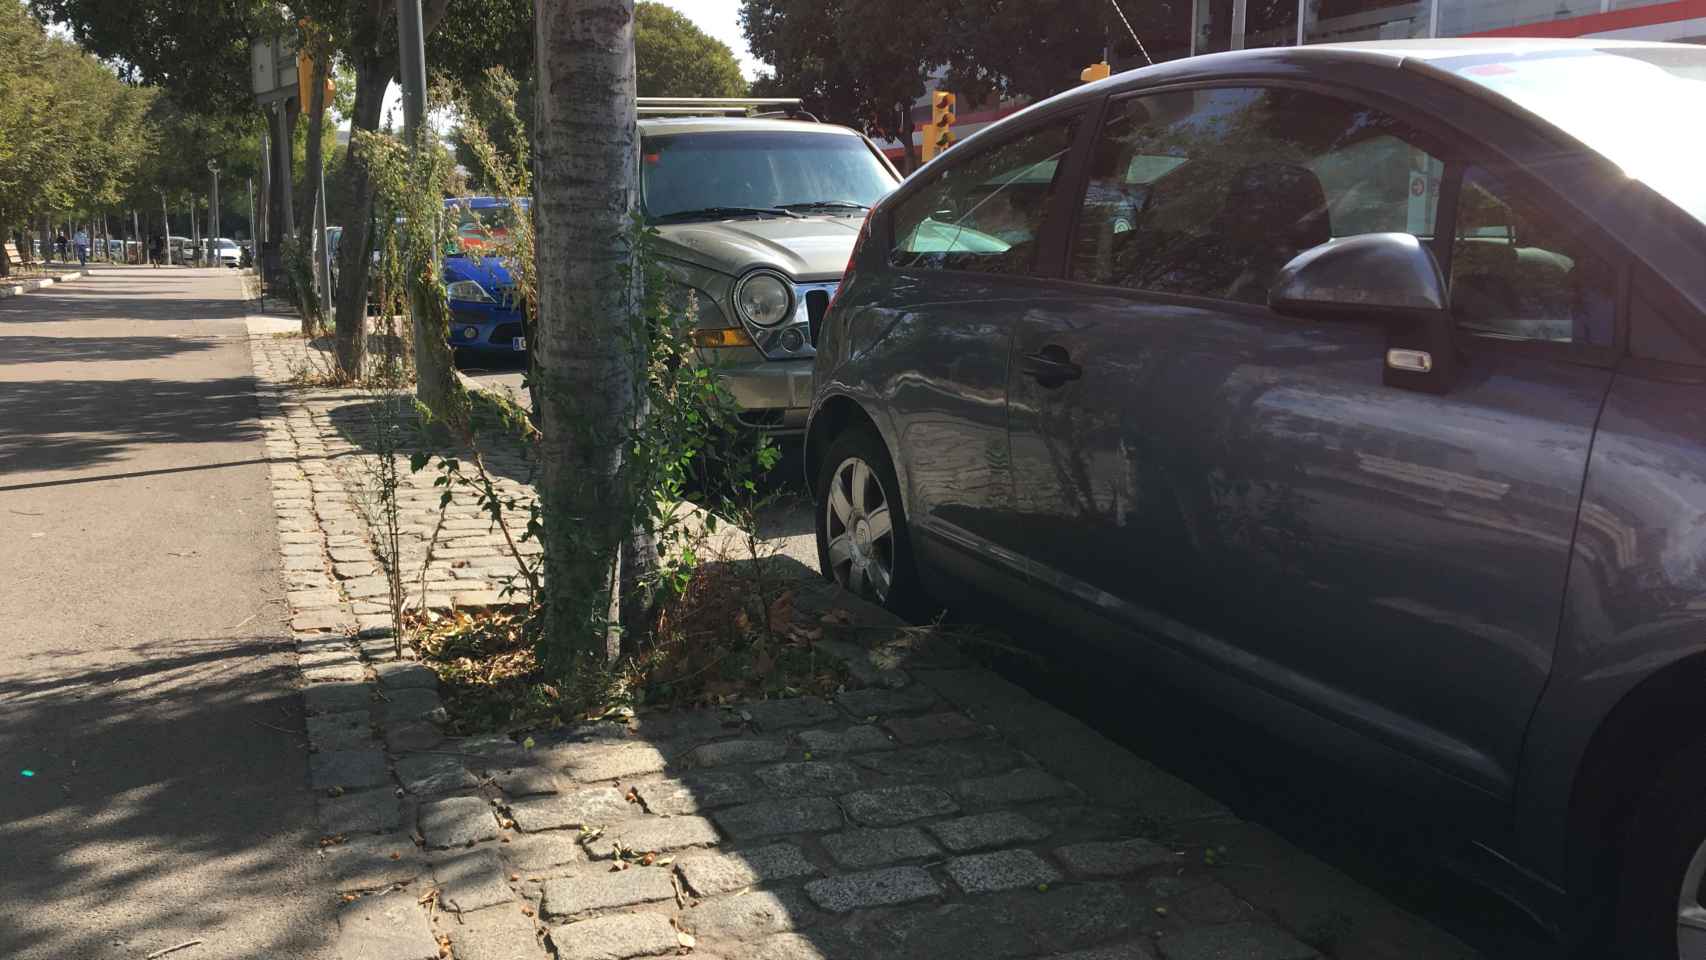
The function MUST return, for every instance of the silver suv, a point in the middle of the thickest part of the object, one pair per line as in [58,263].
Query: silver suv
[757,218]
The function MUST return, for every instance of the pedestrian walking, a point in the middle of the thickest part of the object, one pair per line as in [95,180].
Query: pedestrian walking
[81,241]
[60,244]
[157,250]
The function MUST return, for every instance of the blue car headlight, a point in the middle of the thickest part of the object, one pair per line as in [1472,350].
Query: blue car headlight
[468,290]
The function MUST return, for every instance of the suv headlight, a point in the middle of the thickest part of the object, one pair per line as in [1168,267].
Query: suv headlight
[764,298]
[468,290]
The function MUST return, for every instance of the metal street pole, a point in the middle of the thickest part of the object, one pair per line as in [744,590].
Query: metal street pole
[213,213]
[412,64]
[165,228]
[324,247]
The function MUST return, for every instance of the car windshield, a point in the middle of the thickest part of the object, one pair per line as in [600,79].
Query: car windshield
[482,228]
[1637,106]
[742,172]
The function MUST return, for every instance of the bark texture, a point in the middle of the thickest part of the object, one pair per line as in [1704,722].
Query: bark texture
[355,250]
[590,350]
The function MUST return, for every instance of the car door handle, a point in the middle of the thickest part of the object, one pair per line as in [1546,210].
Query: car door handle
[1051,366]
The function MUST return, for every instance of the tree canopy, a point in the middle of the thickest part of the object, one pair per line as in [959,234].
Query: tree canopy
[72,134]
[674,58]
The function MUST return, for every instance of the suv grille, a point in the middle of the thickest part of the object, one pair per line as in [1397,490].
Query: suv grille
[817,303]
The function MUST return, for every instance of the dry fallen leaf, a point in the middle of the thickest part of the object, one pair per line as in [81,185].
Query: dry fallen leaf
[687,939]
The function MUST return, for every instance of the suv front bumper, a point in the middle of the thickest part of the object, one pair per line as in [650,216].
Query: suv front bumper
[773,395]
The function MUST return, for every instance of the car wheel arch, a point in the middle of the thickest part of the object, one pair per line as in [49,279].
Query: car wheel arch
[835,415]
[1612,778]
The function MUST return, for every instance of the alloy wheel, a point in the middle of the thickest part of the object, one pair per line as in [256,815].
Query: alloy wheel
[860,531]
[1690,912]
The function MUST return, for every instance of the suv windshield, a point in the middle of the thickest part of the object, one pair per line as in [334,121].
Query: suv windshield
[1637,106]
[759,173]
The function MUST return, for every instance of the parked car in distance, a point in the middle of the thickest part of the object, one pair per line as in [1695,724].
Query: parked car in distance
[484,314]
[1359,390]
[225,253]
[756,218]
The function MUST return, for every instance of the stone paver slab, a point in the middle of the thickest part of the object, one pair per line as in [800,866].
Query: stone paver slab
[1020,786]
[471,879]
[587,762]
[771,817]
[1234,941]
[875,888]
[726,752]
[881,702]
[499,934]
[749,916]
[933,727]
[427,773]
[811,778]
[621,937]
[1135,950]
[587,807]
[337,697]
[535,853]
[389,926]
[457,822]
[402,706]
[709,874]
[412,736]
[783,714]
[1113,859]
[857,739]
[349,769]
[978,831]
[403,675]
[1002,870]
[340,731]
[654,835]
[527,782]
[375,811]
[369,862]
[862,849]
[695,793]
[939,762]
[329,619]
[588,891]
[887,806]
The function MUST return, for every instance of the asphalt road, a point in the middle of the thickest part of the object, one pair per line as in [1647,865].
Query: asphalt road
[150,737]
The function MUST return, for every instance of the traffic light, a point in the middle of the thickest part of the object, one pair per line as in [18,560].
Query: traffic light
[1095,71]
[939,136]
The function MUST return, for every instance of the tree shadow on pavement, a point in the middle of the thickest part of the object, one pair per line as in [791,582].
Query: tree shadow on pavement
[19,350]
[165,800]
[145,303]
[67,424]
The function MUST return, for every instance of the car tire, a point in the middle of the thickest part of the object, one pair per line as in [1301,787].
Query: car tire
[863,541]
[1664,852]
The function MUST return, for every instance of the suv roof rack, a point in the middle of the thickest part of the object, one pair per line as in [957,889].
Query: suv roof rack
[783,107]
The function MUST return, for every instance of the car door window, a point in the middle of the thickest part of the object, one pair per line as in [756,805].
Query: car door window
[1520,273]
[1210,192]
[986,212]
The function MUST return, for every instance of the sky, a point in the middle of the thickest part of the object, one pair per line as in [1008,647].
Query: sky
[719,18]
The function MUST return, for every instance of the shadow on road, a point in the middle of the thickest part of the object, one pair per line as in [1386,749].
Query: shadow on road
[143,767]
[47,424]
[17,350]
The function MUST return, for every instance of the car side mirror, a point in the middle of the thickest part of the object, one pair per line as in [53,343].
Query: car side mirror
[1391,278]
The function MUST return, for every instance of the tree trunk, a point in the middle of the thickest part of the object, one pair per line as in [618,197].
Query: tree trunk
[591,339]
[306,225]
[355,254]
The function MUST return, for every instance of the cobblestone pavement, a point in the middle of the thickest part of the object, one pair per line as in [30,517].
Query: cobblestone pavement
[934,812]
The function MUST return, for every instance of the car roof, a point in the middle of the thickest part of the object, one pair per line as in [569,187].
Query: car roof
[664,125]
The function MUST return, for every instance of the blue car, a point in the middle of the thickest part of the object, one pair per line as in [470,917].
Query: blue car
[485,315]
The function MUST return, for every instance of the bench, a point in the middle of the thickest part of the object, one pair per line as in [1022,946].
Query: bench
[11,252]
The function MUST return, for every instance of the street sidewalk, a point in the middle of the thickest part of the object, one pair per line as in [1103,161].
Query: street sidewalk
[935,812]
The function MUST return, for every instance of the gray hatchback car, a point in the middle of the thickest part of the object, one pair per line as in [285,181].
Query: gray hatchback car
[1358,389]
